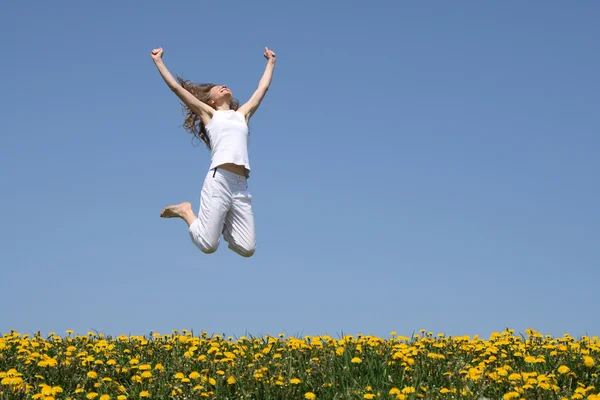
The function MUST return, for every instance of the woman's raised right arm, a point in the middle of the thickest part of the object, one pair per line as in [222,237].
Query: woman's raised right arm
[203,110]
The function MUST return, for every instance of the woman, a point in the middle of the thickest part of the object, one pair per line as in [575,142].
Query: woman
[214,116]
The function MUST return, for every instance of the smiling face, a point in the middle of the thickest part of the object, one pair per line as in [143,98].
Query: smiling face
[220,95]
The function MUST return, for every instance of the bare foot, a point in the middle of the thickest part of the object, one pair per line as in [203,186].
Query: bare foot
[182,210]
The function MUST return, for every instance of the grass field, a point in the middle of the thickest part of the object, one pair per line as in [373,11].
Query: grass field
[183,365]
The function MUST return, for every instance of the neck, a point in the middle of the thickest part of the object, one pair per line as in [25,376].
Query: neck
[223,107]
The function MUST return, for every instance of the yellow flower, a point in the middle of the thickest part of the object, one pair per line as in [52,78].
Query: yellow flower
[145,393]
[146,374]
[369,396]
[394,391]
[105,397]
[588,361]
[511,395]
[356,360]
[159,367]
[514,377]
[194,375]
[48,362]
[401,396]
[310,395]
[212,381]
[436,356]
[295,381]
[91,395]
[408,389]
[179,375]
[231,380]
[544,385]
[563,369]
[92,375]
[121,397]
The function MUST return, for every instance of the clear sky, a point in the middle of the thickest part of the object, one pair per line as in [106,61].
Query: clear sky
[414,165]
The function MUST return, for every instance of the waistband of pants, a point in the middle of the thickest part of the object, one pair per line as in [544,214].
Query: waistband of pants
[227,175]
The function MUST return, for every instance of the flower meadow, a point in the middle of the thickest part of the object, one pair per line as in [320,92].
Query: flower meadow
[182,365]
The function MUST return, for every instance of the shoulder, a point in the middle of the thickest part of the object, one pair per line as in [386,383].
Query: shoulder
[242,116]
[214,116]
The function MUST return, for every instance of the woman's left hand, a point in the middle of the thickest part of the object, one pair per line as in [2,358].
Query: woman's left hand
[269,54]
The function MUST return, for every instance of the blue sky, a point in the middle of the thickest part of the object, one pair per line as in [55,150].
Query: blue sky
[414,165]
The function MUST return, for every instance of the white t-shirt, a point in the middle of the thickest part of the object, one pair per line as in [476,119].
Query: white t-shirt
[228,134]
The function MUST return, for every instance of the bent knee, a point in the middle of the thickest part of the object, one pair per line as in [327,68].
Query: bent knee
[248,253]
[245,251]
[208,249]
[206,246]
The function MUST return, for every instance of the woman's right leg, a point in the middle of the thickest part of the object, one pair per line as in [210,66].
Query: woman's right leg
[205,229]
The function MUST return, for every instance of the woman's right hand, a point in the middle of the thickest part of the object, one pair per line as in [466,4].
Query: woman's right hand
[157,54]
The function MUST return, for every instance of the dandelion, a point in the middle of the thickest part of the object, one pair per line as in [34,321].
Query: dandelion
[145,393]
[563,369]
[436,356]
[514,377]
[588,361]
[231,380]
[310,396]
[356,360]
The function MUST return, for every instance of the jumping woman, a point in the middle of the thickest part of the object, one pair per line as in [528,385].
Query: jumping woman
[215,117]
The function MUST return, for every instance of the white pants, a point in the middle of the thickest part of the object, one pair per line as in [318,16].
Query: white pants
[225,207]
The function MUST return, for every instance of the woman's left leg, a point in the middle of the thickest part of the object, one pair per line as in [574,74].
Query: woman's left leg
[239,231]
